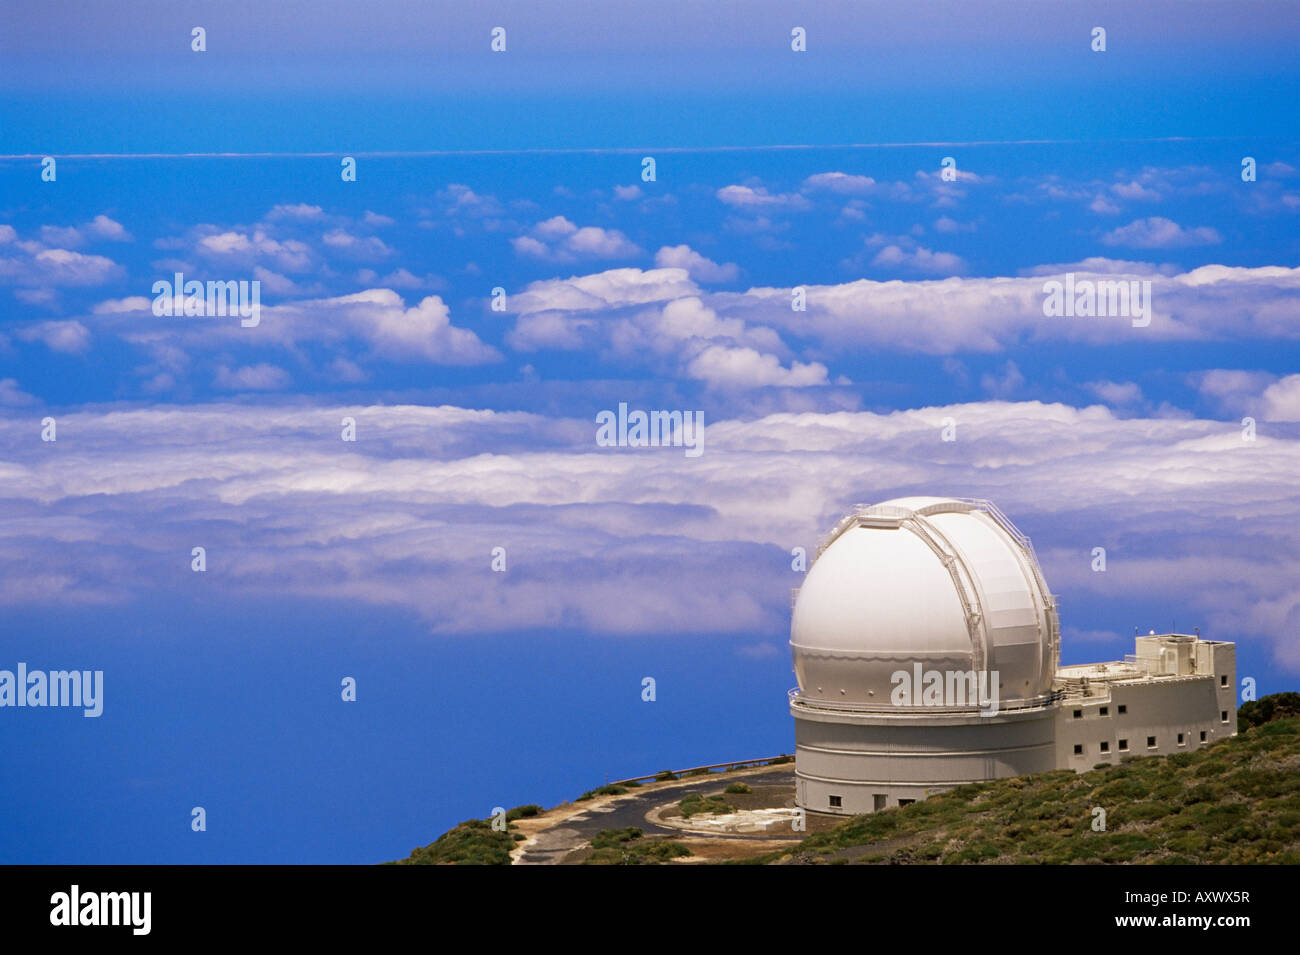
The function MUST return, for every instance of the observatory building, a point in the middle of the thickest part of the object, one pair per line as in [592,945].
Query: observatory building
[926,646]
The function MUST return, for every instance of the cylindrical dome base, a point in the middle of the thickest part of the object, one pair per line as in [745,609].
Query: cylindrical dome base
[849,762]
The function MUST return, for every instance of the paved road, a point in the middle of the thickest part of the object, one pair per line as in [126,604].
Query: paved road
[552,845]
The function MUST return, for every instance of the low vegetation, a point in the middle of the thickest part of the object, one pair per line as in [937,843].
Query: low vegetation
[695,804]
[1274,707]
[613,789]
[630,847]
[473,842]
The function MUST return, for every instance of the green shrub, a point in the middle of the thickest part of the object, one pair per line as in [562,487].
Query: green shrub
[615,837]
[660,851]
[975,852]
[1204,792]
[1275,706]
[1279,729]
[693,804]
[738,788]
[628,847]
[613,789]
[1143,812]
[472,842]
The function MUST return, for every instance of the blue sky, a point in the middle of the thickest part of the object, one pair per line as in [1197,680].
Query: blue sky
[475,428]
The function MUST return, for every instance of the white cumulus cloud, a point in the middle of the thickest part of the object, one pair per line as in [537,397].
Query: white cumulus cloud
[699,267]
[559,240]
[1157,232]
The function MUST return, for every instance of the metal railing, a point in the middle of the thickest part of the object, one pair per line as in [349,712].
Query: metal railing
[679,773]
[995,512]
[797,699]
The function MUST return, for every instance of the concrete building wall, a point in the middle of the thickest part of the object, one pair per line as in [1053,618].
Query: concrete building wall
[1140,718]
[853,763]
[1220,659]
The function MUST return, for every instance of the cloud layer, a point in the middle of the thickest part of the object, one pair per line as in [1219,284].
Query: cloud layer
[1197,521]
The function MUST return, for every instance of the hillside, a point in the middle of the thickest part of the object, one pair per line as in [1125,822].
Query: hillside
[1236,801]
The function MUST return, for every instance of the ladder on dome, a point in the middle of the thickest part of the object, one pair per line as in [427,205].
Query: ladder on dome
[962,581]
[995,512]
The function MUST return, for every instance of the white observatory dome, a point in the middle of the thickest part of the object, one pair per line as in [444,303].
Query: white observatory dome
[944,583]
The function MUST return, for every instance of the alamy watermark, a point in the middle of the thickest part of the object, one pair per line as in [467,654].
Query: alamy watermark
[130,909]
[1101,298]
[651,429]
[946,688]
[194,299]
[83,688]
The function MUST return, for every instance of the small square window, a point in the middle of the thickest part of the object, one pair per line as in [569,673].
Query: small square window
[906,802]
[1223,680]
[1223,716]
[1181,740]
[836,802]
[1122,709]
[1202,736]
[1105,746]
[1078,714]
[1151,742]
[878,801]
[1104,711]
[1078,749]
[1123,746]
